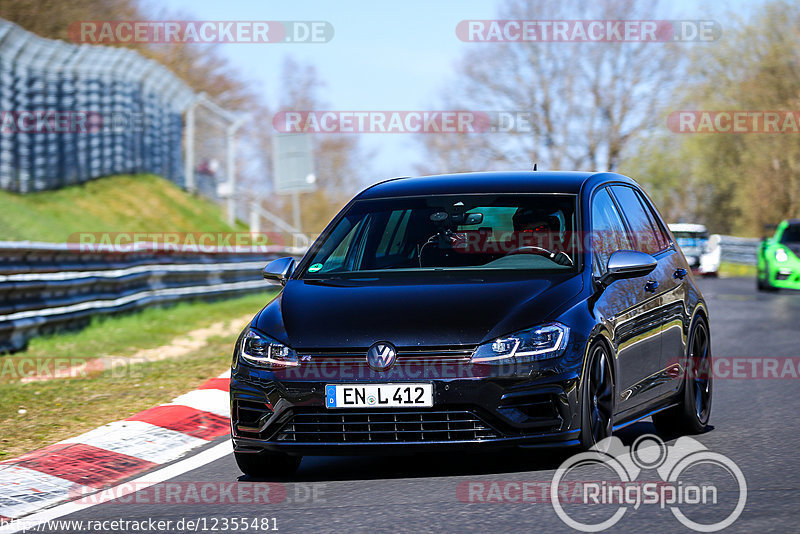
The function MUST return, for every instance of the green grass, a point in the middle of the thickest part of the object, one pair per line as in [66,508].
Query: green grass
[153,327]
[139,203]
[730,270]
[61,408]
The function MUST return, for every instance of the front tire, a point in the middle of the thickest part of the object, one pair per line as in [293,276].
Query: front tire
[267,465]
[765,286]
[691,415]
[597,404]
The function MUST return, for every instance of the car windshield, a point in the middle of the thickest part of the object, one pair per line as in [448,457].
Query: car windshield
[450,233]
[791,235]
[691,240]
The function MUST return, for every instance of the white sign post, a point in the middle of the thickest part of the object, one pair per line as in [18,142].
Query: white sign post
[293,168]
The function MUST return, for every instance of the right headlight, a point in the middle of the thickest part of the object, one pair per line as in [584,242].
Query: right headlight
[533,344]
[781,255]
[263,351]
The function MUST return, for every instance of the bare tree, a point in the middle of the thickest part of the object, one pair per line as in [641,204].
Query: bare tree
[341,164]
[583,102]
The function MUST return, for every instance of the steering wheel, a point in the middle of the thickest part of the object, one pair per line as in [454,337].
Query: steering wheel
[539,251]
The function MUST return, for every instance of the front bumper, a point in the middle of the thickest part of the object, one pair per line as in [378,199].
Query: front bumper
[270,413]
[785,275]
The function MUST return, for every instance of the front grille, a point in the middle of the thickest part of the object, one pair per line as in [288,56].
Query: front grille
[385,427]
[444,354]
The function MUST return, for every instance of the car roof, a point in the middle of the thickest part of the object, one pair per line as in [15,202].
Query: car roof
[488,182]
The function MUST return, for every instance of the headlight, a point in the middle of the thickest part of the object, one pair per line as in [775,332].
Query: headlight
[263,351]
[781,255]
[538,343]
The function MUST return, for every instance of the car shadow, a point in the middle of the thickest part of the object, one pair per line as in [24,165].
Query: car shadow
[435,464]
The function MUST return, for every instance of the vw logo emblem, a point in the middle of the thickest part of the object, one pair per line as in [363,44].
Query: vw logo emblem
[381,356]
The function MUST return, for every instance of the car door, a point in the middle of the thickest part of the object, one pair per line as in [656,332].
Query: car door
[627,308]
[672,271]
[666,306]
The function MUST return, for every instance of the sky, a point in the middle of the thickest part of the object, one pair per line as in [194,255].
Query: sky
[384,55]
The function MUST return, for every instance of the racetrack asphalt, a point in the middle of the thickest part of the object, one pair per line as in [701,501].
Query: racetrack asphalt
[754,423]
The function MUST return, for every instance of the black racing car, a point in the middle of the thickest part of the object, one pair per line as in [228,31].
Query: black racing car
[473,310]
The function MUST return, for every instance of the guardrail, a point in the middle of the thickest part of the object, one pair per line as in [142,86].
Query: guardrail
[739,249]
[46,287]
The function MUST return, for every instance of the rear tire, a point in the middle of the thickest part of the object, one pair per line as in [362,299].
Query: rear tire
[266,465]
[597,398]
[691,415]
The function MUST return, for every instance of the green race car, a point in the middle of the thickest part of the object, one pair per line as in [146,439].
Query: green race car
[779,258]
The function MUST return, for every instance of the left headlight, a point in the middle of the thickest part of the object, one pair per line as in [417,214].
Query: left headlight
[537,343]
[263,351]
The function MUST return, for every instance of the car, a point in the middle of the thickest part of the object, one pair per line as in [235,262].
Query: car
[779,258]
[473,311]
[703,252]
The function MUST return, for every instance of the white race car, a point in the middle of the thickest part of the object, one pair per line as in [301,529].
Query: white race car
[702,251]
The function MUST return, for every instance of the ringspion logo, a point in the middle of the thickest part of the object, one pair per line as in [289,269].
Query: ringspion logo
[680,489]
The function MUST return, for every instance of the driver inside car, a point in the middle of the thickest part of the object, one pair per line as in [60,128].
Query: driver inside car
[536,230]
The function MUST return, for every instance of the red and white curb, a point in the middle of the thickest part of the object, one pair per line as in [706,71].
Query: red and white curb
[95,460]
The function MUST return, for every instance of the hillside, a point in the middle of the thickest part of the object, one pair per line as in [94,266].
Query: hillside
[138,203]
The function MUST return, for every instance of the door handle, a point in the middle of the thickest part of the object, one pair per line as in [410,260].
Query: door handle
[651,286]
[680,274]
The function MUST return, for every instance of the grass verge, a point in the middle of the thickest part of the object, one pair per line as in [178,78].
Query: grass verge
[33,415]
[149,204]
[730,270]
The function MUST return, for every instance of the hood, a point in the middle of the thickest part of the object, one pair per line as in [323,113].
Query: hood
[357,313]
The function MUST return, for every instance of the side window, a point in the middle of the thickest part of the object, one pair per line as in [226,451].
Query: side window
[608,231]
[643,232]
[661,233]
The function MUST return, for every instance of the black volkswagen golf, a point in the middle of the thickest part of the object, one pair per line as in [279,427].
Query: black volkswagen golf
[474,310]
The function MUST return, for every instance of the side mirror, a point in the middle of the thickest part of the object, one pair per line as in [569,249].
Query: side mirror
[279,270]
[627,264]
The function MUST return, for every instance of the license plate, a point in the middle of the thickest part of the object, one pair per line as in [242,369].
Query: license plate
[379,395]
